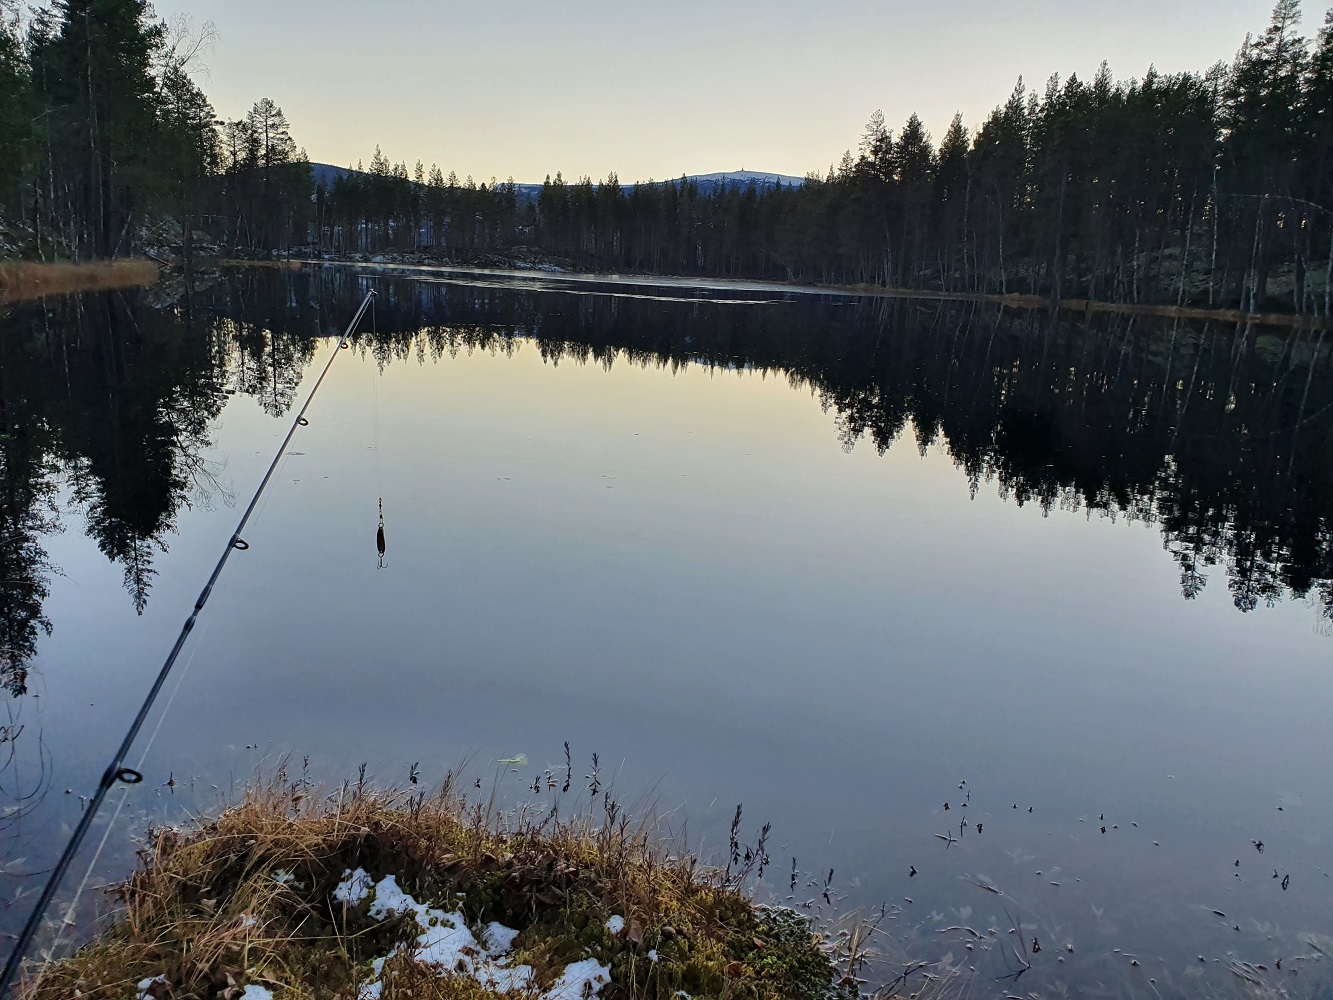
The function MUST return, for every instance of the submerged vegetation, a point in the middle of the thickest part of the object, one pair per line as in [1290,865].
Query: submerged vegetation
[295,893]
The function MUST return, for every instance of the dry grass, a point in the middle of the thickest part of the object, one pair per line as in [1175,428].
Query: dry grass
[26,280]
[206,912]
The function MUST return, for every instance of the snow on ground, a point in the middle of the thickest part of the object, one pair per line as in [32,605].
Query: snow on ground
[252,992]
[353,888]
[446,943]
[582,979]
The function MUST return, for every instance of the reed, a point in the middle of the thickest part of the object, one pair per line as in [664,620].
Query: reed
[25,280]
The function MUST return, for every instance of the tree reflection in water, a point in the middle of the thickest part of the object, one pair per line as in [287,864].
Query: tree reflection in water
[1218,435]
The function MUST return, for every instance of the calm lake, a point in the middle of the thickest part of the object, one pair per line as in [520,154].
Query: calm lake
[957,598]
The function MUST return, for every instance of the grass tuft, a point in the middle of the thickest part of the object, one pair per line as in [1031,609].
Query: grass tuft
[247,900]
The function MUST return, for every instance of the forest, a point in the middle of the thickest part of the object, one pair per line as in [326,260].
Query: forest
[108,145]
[1204,189]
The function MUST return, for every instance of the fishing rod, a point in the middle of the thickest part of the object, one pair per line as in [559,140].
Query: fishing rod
[117,771]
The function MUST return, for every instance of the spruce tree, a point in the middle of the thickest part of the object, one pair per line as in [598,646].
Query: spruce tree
[188,152]
[1264,102]
[1317,107]
[913,153]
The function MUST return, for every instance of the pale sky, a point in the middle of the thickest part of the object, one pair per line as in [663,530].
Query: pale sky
[529,87]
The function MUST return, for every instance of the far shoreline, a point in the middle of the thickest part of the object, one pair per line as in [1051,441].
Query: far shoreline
[23,281]
[1308,321]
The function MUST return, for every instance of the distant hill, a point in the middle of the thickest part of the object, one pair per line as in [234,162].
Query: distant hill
[748,177]
[326,174]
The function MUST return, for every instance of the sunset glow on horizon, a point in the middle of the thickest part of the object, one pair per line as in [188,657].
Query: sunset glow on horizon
[527,89]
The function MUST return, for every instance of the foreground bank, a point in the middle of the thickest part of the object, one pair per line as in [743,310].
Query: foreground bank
[295,893]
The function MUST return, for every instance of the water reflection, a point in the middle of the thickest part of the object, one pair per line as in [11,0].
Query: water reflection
[1219,435]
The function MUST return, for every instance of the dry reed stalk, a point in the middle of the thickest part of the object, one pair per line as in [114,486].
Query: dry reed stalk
[27,280]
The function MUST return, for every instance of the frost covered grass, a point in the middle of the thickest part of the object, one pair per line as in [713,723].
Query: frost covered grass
[33,280]
[297,893]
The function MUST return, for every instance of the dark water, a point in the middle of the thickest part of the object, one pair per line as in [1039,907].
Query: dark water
[841,560]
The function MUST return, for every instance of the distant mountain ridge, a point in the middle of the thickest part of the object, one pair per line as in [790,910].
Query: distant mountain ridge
[326,174]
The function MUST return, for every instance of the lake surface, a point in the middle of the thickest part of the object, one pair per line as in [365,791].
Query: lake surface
[841,560]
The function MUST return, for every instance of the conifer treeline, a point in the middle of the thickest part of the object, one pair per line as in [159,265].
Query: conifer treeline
[1201,189]
[104,133]
[1207,189]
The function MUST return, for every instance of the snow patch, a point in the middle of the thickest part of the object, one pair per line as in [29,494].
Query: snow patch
[499,938]
[145,990]
[445,942]
[354,887]
[579,980]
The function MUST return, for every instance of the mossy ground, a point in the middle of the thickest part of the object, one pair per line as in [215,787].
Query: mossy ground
[246,899]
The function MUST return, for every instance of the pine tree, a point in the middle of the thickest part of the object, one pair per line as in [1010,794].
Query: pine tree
[877,148]
[272,134]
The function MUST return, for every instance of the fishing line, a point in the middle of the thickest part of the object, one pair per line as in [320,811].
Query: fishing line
[67,920]
[116,771]
[376,373]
